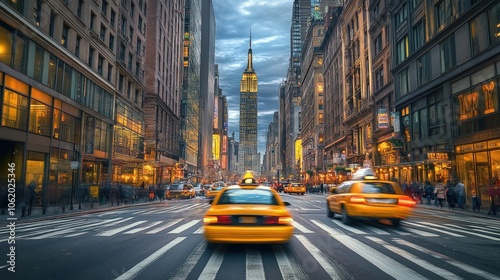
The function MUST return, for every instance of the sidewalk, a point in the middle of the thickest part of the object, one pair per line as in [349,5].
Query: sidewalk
[55,212]
[483,213]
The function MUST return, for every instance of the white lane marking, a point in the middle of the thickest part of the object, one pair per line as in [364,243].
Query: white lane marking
[463,231]
[288,270]
[254,265]
[375,229]
[416,260]
[135,230]
[134,271]
[120,229]
[199,230]
[399,231]
[75,234]
[184,227]
[381,261]
[480,229]
[320,257]
[455,263]
[301,227]
[70,230]
[188,265]
[349,228]
[421,232]
[169,224]
[184,208]
[438,230]
[213,264]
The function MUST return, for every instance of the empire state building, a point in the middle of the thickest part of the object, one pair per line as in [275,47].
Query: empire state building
[247,157]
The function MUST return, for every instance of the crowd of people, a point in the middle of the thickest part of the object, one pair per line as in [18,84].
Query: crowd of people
[450,194]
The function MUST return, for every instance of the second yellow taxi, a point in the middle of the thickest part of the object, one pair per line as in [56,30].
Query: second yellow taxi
[366,197]
[248,213]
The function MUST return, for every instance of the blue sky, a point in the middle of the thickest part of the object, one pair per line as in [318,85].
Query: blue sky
[270,22]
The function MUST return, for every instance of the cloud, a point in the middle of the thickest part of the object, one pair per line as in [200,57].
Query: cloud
[269,22]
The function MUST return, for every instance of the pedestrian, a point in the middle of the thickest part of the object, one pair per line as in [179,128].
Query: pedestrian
[492,191]
[321,188]
[428,192]
[460,192]
[440,192]
[450,195]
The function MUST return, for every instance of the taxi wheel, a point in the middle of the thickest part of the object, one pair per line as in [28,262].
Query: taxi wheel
[301,193]
[346,220]
[396,222]
[329,212]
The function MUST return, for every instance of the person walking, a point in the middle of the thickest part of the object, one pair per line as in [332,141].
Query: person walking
[460,192]
[428,190]
[492,192]
[440,192]
[450,195]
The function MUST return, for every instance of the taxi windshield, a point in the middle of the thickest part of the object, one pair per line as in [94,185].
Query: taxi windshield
[242,196]
[378,187]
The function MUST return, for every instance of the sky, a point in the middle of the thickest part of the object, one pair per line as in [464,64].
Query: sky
[270,22]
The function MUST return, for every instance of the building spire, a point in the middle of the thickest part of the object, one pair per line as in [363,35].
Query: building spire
[249,63]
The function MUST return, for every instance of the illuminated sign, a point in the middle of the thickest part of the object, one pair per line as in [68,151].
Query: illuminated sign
[216,146]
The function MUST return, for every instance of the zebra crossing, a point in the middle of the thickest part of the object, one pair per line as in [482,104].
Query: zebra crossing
[139,224]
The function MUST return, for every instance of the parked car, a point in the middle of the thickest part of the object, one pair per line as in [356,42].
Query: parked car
[180,190]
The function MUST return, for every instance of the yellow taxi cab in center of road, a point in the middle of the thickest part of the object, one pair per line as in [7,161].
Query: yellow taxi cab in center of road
[297,188]
[366,197]
[248,213]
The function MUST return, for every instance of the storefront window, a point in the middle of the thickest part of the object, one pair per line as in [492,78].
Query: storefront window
[483,174]
[15,110]
[40,118]
[56,124]
[70,128]
[35,170]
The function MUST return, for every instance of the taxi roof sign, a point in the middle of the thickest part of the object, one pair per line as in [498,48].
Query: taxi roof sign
[364,173]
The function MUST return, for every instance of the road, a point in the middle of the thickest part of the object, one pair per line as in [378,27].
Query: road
[165,241]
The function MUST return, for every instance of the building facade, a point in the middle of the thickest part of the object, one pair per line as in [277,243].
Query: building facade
[248,115]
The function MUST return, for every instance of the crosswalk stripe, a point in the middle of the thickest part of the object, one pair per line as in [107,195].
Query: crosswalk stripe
[254,265]
[320,257]
[135,230]
[134,271]
[190,262]
[349,228]
[169,224]
[184,227]
[438,230]
[414,259]
[464,231]
[184,208]
[70,230]
[301,227]
[120,229]
[381,261]
[375,230]
[212,267]
[421,232]
[455,263]
[288,270]
[199,230]
[479,229]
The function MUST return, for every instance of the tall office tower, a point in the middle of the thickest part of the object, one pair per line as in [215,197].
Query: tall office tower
[163,76]
[248,114]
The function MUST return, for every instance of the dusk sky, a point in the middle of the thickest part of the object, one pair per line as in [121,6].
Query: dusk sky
[270,23]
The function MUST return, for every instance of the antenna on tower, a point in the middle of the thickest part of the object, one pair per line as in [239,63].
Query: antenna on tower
[250,37]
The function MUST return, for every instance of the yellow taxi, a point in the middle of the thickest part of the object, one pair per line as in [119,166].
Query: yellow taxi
[297,188]
[180,190]
[214,189]
[248,213]
[366,197]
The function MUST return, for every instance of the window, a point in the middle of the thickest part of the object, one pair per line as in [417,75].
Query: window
[79,9]
[100,61]
[479,33]
[102,34]
[378,44]
[402,50]
[494,20]
[69,128]
[77,46]
[104,8]
[91,56]
[123,27]
[38,18]
[122,53]
[51,26]
[92,21]
[419,35]
[400,16]
[320,118]
[448,57]
[39,122]
[15,110]
[112,19]
[445,12]
[21,54]
[110,72]
[64,36]
[111,42]
[379,78]
[403,82]
[130,59]
[424,69]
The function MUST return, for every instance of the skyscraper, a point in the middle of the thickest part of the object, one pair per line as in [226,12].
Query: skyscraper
[248,116]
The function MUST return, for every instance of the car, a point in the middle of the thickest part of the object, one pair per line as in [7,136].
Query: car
[248,213]
[180,190]
[365,197]
[198,189]
[297,188]
[214,189]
